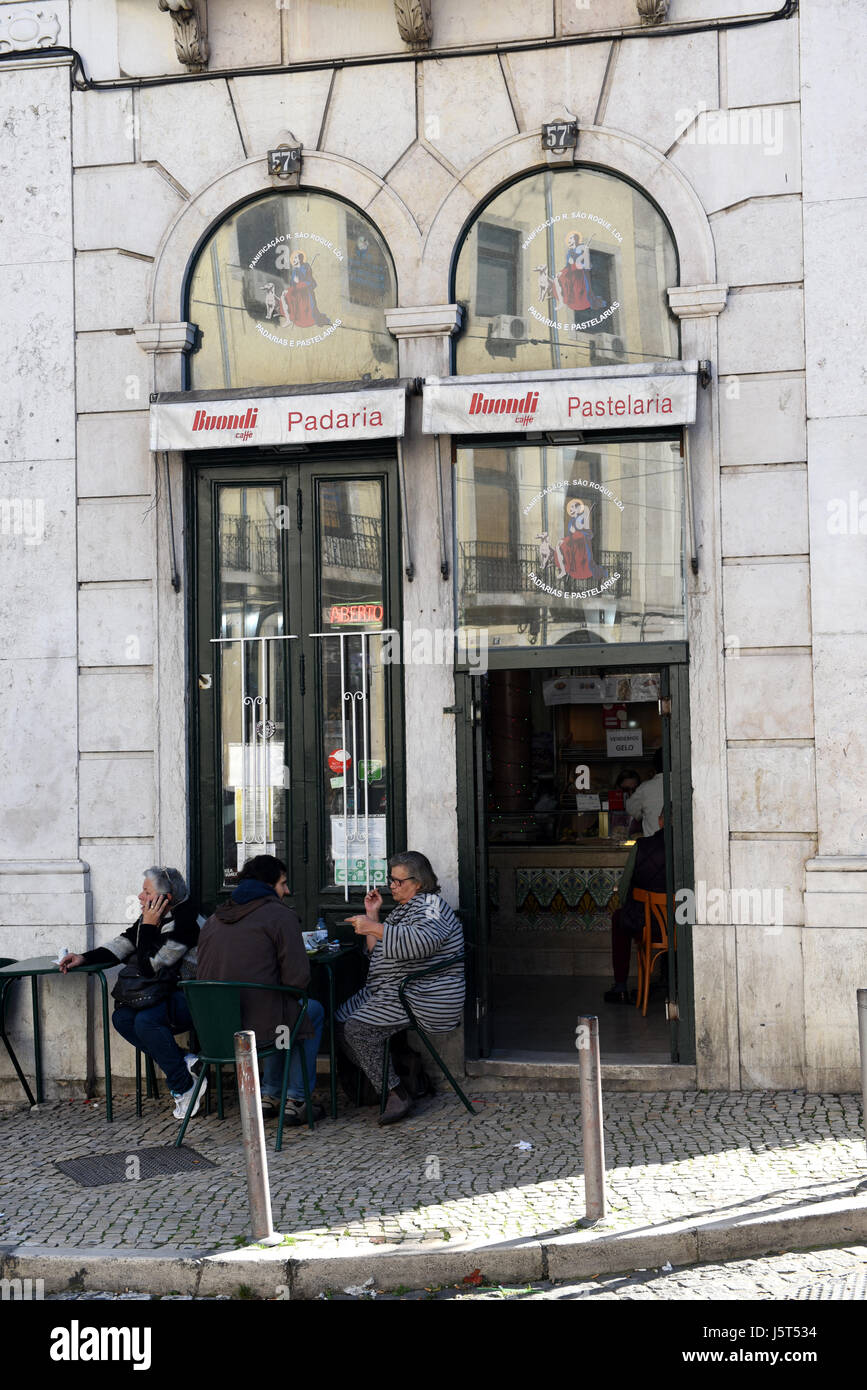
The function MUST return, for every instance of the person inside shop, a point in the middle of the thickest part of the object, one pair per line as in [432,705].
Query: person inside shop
[421,929]
[150,1007]
[256,936]
[645,868]
[645,804]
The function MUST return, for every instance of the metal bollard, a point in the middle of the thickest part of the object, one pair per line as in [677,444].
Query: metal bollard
[862,1044]
[253,1131]
[590,1073]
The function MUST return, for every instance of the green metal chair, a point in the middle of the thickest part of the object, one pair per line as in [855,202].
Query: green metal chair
[150,1078]
[4,990]
[416,1026]
[215,1007]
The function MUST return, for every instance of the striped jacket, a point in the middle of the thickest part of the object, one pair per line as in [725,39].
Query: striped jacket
[418,933]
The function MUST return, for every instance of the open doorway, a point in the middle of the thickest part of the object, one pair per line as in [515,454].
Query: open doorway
[559,753]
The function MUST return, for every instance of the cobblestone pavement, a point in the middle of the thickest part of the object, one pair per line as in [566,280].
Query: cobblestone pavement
[441,1175]
[826,1275]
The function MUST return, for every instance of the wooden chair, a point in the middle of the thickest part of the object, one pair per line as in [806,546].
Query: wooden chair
[655,912]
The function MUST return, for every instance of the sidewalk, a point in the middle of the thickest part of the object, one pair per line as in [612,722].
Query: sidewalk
[691,1176]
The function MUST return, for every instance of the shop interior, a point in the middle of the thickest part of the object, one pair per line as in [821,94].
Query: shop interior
[564,748]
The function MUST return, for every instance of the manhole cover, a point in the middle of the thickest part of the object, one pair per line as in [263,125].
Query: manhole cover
[97,1170]
[846,1286]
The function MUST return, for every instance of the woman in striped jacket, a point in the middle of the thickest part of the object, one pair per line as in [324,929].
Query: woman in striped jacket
[421,930]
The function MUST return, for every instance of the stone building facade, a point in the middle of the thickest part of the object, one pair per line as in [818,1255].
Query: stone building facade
[132,130]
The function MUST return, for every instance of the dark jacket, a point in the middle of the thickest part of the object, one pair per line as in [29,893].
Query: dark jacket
[259,941]
[645,868]
[152,948]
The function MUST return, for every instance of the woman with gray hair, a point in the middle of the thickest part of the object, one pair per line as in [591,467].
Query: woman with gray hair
[150,1007]
[421,930]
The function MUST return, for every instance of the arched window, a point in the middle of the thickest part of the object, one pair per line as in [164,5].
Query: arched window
[566,268]
[292,289]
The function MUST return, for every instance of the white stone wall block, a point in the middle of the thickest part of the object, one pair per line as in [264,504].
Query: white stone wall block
[115,711]
[291,101]
[767,605]
[772,788]
[749,498]
[833,59]
[116,873]
[837,476]
[659,83]
[193,151]
[776,869]
[113,372]
[103,128]
[749,152]
[762,331]
[111,290]
[551,84]
[771,1008]
[835,965]
[127,207]
[840,670]
[455,23]
[835,292]
[94,34]
[37,554]
[115,539]
[760,242]
[145,40]
[769,696]
[37,413]
[422,182]
[34,165]
[762,64]
[37,768]
[466,108]
[762,420]
[116,796]
[243,34]
[113,455]
[371,116]
[115,625]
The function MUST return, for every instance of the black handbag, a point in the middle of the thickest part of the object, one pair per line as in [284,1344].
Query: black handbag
[137,991]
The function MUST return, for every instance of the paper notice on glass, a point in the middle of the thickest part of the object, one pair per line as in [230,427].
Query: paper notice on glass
[587,801]
[350,852]
[572,690]
[624,743]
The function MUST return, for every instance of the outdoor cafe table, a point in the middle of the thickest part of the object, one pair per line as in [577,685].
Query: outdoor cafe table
[328,960]
[46,965]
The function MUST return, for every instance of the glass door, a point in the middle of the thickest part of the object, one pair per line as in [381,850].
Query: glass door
[297,706]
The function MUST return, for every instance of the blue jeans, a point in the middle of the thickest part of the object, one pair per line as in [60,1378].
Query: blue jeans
[153,1031]
[272,1067]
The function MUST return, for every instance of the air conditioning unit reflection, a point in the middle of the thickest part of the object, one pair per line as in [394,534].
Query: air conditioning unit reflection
[505,333]
[605,349]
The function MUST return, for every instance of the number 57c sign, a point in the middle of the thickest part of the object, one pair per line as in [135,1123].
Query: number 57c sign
[560,135]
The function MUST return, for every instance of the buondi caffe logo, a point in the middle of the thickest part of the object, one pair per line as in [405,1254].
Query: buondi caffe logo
[295,314]
[571,563]
[567,286]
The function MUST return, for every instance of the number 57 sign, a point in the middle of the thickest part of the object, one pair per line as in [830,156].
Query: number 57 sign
[560,135]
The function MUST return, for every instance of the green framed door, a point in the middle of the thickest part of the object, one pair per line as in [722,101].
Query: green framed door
[298,718]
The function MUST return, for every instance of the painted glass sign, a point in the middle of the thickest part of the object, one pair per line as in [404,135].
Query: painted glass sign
[566,269]
[567,544]
[292,289]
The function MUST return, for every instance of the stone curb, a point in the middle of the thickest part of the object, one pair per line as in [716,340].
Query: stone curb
[275,1273]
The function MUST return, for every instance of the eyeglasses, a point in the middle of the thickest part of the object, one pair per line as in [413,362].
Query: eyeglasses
[402,880]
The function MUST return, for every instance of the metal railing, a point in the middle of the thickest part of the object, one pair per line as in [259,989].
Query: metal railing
[494,567]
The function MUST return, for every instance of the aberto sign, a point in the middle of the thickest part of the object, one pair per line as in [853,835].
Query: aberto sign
[290,419]
[631,397]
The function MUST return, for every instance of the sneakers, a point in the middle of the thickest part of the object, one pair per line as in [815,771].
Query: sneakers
[182,1099]
[295,1112]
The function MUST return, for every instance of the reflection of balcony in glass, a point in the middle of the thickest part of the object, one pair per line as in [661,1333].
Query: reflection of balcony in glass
[495,567]
[250,546]
[361,549]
